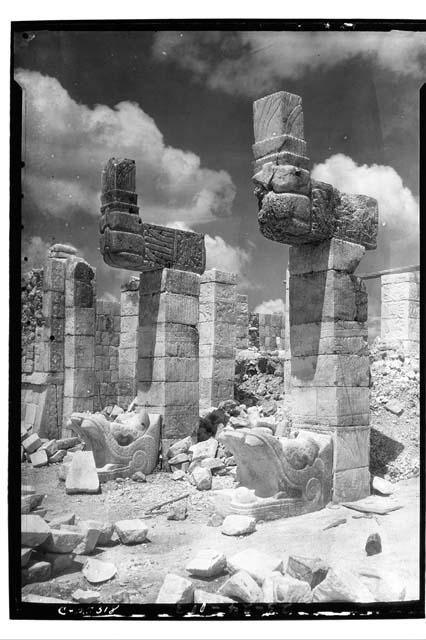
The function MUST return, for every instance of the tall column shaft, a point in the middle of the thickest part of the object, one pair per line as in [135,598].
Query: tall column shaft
[400,310]
[129,342]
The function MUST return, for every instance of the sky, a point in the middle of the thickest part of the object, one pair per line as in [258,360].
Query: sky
[180,105]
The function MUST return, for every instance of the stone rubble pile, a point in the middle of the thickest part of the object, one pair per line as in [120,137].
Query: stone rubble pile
[259,376]
[41,451]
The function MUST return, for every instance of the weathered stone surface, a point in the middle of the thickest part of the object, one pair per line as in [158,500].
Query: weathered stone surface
[205,449]
[34,597]
[382,486]
[34,531]
[39,459]
[27,489]
[179,458]
[25,556]
[131,531]
[311,570]
[340,370]
[90,532]
[341,586]
[31,502]
[241,587]
[57,520]
[215,520]
[330,254]
[214,464]
[50,447]
[59,561]
[32,443]
[393,406]
[206,597]
[279,588]
[86,597]
[202,478]
[352,484]
[207,564]
[175,590]
[351,447]
[37,572]
[181,446]
[331,406]
[254,562]
[82,476]
[235,525]
[96,571]
[60,541]
[373,544]
[67,443]
[177,512]
[179,474]
[106,533]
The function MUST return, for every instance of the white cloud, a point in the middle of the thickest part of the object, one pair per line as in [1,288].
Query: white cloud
[67,144]
[271,306]
[253,62]
[33,253]
[398,208]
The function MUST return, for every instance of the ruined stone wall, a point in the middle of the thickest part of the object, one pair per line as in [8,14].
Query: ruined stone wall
[107,340]
[266,331]
[400,310]
[32,316]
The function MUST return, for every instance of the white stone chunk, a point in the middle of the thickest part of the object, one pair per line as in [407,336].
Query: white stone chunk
[82,476]
[207,564]
[257,564]
[96,571]
[131,531]
[241,586]
[235,525]
[175,590]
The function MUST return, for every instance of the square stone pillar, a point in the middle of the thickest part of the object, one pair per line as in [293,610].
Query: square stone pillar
[80,305]
[287,349]
[329,357]
[168,349]
[242,320]
[217,327]
[400,310]
[129,342]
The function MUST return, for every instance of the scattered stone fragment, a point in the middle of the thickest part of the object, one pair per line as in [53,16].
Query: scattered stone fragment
[215,520]
[39,459]
[341,586]
[311,570]
[82,476]
[178,459]
[214,464]
[80,595]
[32,443]
[382,486]
[334,523]
[34,597]
[207,564]
[139,477]
[373,544]
[31,502]
[56,520]
[256,563]
[106,533]
[393,406]
[241,586]
[235,525]
[39,511]
[292,590]
[178,475]
[59,561]
[205,449]
[60,541]
[238,422]
[230,462]
[67,443]
[96,571]
[120,596]
[25,556]
[50,447]
[374,504]
[177,512]
[58,456]
[90,530]
[131,531]
[34,531]
[206,597]
[62,471]
[175,590]
[37,572]
[270,587]
[269,407]
[202,478]
[181,446]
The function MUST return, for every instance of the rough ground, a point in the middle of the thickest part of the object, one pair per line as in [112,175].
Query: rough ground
[141,568]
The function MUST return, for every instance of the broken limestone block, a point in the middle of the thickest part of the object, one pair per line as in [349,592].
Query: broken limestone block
[215,520]
[82,476]
[96,571]
[175,590]
[178,475]
[86,597]
[393,406]
[57,520]
[341,586]
[206,597]
[32,443]
[34,531]
[131,531]
[178,459]
[311,570]
[50,448]
[235,525]
[106,530]
[59,561]
[207,564]
[139,477]
[181,446]
[58,456]
[177,512]
[202,478]
[373,544]
[256,563]
[214,464]
[67,443]
[39,459]
[34,597]
[31,502]
[205,449]
[382,486]
[60,541]
[90,531]
[241,586]
[292,590]
[37,572]
[25,556]
[62,471]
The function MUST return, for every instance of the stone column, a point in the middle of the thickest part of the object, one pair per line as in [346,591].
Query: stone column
[217,329]
[329,357]
[242,320]
[287,349]
[129,342]
[168,350]
[400,310]
[80,304]
[107,338]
